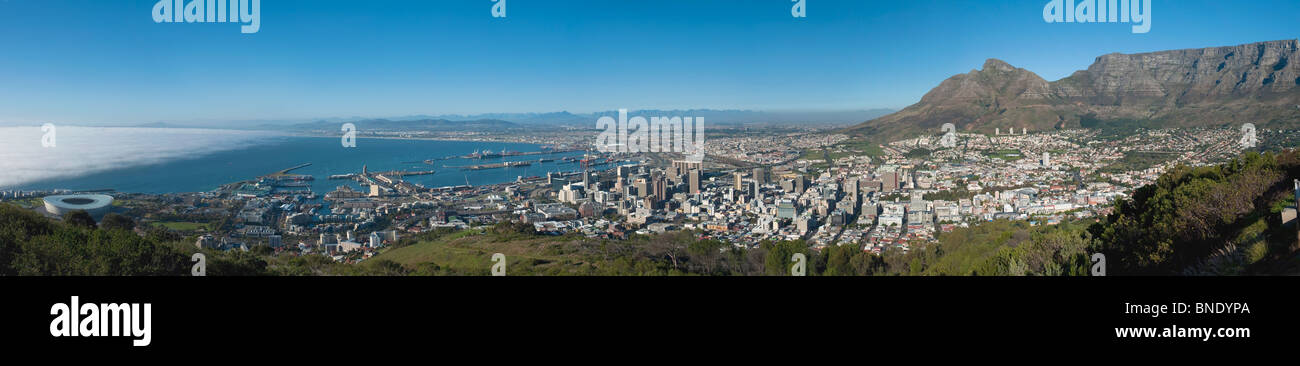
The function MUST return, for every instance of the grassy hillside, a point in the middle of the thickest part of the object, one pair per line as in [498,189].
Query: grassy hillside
[1210,220]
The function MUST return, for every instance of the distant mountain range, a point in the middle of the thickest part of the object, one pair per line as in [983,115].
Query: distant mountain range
[497,121]
[409,125]
[1252,83]
[713,116]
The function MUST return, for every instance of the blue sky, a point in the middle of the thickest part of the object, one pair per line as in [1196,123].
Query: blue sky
[98,61]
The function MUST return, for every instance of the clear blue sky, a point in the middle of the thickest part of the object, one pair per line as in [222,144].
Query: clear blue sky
[106,61]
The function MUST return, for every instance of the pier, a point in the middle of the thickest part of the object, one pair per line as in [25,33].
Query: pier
[511,164]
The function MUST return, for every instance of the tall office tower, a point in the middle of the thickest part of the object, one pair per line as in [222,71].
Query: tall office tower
[740,180]
[629,191]
[891,181]
[800,184]
[659,186]
[1047,160]
[624,171]
[760,175]
[642,187]
[586,179]
[687,165]
[694,181]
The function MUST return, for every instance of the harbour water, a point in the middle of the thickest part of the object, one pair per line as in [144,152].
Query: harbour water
[266,155]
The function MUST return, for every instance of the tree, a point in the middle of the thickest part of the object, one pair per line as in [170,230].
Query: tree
[114,221]
[777,262]
[79,218]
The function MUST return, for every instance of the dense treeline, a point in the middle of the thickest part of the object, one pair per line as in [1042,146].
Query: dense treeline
[1208,220]
[33,245]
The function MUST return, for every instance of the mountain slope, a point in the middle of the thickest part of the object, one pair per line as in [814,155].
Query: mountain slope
[1254,83]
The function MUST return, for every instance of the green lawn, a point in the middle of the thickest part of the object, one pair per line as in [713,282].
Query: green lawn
[1007,154]
[864,148]
[469,252]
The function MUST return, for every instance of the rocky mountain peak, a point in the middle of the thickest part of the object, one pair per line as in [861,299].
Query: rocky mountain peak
[1255,83]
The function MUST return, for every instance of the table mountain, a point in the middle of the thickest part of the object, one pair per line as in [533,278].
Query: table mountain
[1254,83]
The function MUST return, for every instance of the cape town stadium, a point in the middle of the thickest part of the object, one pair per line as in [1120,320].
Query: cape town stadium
[95,204]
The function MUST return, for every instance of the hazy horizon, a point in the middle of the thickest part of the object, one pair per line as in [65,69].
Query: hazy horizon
[214,123]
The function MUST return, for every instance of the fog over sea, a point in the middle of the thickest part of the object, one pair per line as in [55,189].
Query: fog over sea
[168,160]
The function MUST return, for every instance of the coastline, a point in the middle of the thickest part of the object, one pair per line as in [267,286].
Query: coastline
[202,173]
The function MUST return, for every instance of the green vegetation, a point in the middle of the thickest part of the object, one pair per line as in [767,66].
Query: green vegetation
[1113,129]
[1208,220]
[918,153]
[863,148]
[1006,154]
[31,244]
[1135,160]
[813,155]
[999,248]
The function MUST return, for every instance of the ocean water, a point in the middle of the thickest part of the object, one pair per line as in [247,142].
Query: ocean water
[187,160]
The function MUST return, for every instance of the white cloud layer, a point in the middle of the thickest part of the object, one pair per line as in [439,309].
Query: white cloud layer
[81,151]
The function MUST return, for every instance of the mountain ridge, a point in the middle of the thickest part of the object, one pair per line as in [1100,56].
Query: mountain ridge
[1248,83]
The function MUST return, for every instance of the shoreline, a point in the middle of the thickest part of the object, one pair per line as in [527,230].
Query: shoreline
[61,183]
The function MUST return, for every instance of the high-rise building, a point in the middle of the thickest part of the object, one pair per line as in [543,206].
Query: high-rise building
[587,209]
[687,165]
[642,187]
[890,181]
[558,183]
[785,209]
[571,194]
[760,175]
[740,180]
[659,186]
[694,180]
